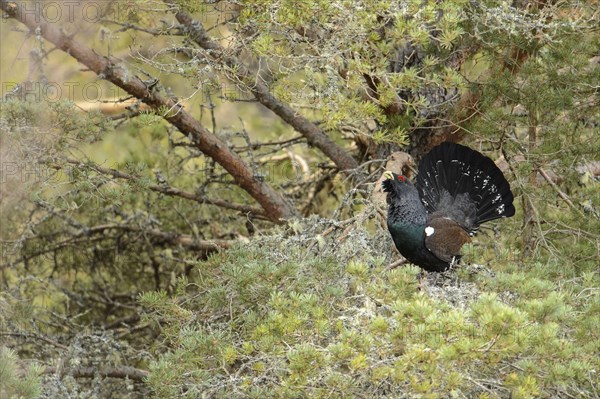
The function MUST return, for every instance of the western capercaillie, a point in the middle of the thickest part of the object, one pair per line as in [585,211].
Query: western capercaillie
[456,190]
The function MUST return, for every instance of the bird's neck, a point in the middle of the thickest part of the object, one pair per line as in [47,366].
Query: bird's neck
[407,209]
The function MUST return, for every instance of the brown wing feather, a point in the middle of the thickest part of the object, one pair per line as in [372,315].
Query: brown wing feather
[446,238]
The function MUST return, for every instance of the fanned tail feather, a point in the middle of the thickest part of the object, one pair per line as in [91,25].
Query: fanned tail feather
[456,169]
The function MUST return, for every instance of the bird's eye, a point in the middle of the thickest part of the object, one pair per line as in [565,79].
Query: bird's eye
[402,178]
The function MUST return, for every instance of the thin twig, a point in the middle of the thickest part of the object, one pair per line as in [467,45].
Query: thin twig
[561,193]
[171,191]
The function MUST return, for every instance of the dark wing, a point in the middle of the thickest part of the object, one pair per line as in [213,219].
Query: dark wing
[444,238]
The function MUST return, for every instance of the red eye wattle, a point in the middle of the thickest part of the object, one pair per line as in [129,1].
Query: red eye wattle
[402,179]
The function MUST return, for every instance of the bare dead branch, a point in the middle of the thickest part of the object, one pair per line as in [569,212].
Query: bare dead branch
[131,373]
[34,336]
[156,236]
[163,237]
[278,143]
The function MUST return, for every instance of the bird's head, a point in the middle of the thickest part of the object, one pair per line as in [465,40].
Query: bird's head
[404,204]
[395,185]
[393,182]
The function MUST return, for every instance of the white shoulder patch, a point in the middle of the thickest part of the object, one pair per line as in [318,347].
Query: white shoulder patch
[429,231]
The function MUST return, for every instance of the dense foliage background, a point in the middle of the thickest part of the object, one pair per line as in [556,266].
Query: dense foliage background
[187,205]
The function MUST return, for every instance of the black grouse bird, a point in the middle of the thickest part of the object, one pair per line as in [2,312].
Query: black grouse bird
[456,190]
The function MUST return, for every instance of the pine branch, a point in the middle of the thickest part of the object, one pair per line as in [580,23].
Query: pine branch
[313,134]
[274,204]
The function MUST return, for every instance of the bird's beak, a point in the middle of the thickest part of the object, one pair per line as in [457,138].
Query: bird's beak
[388,175]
